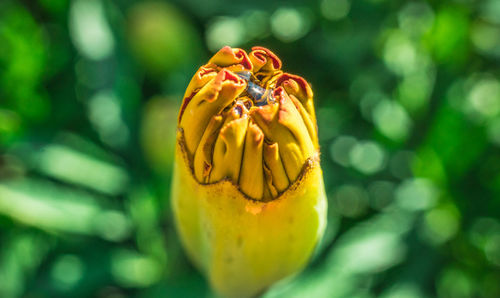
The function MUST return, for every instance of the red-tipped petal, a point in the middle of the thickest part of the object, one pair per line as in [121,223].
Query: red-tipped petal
[228,56]
[265,55]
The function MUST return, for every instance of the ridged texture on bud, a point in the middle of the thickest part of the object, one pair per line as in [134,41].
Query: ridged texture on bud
[248,194]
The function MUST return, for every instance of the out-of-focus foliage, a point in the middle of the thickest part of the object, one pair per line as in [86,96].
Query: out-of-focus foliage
[408,101]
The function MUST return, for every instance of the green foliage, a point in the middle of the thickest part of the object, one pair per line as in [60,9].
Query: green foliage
[408,104]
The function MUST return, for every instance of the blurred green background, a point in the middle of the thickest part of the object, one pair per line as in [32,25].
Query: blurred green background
[408,103]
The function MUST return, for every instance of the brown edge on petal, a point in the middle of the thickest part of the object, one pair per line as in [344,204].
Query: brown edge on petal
[205,70]
[245,60]
[226,75]
[185,102]
[239,54]
[303,84]
[276,61]
[310,163]
[202,71]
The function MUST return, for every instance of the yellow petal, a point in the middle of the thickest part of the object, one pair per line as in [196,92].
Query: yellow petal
[200,78]
[264,61]
[203,156]
[237,111]
[308,122]
[282,123]
[209,101]
[297,86]
[227,57]
[252,174]
[228,151]
[276,175]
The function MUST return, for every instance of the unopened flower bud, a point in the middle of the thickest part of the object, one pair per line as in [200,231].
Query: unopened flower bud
[248,194]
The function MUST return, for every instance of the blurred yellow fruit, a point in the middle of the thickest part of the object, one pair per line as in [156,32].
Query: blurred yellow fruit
[158,34]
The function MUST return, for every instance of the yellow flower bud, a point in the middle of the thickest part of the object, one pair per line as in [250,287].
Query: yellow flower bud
[247,193]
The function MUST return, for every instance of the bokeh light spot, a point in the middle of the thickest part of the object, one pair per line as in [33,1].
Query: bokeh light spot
[112,225]
[369,101]
[416,194]
[371,253]
[440,225]
[492,249]
[415,89]
[367,157]
[416,17]
[335,9]
[400,55]
[225,31]
[351,200]
[67,271]
[404,290]
[340,148]
[486,38]
[89,30]
[392,120]
[158,34]
[484,97]
[494,131]
[454,282]
[258,21]
[485,235]
[490,10]
[72,166]
[289,24]
[131,269]
[105,115]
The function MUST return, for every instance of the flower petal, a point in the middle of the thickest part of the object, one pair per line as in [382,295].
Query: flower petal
[228,56]
[228,151]
[252,174]
[298,86]
[282,123]
[203,157]
[264,60]
[209,101]
[276,175]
